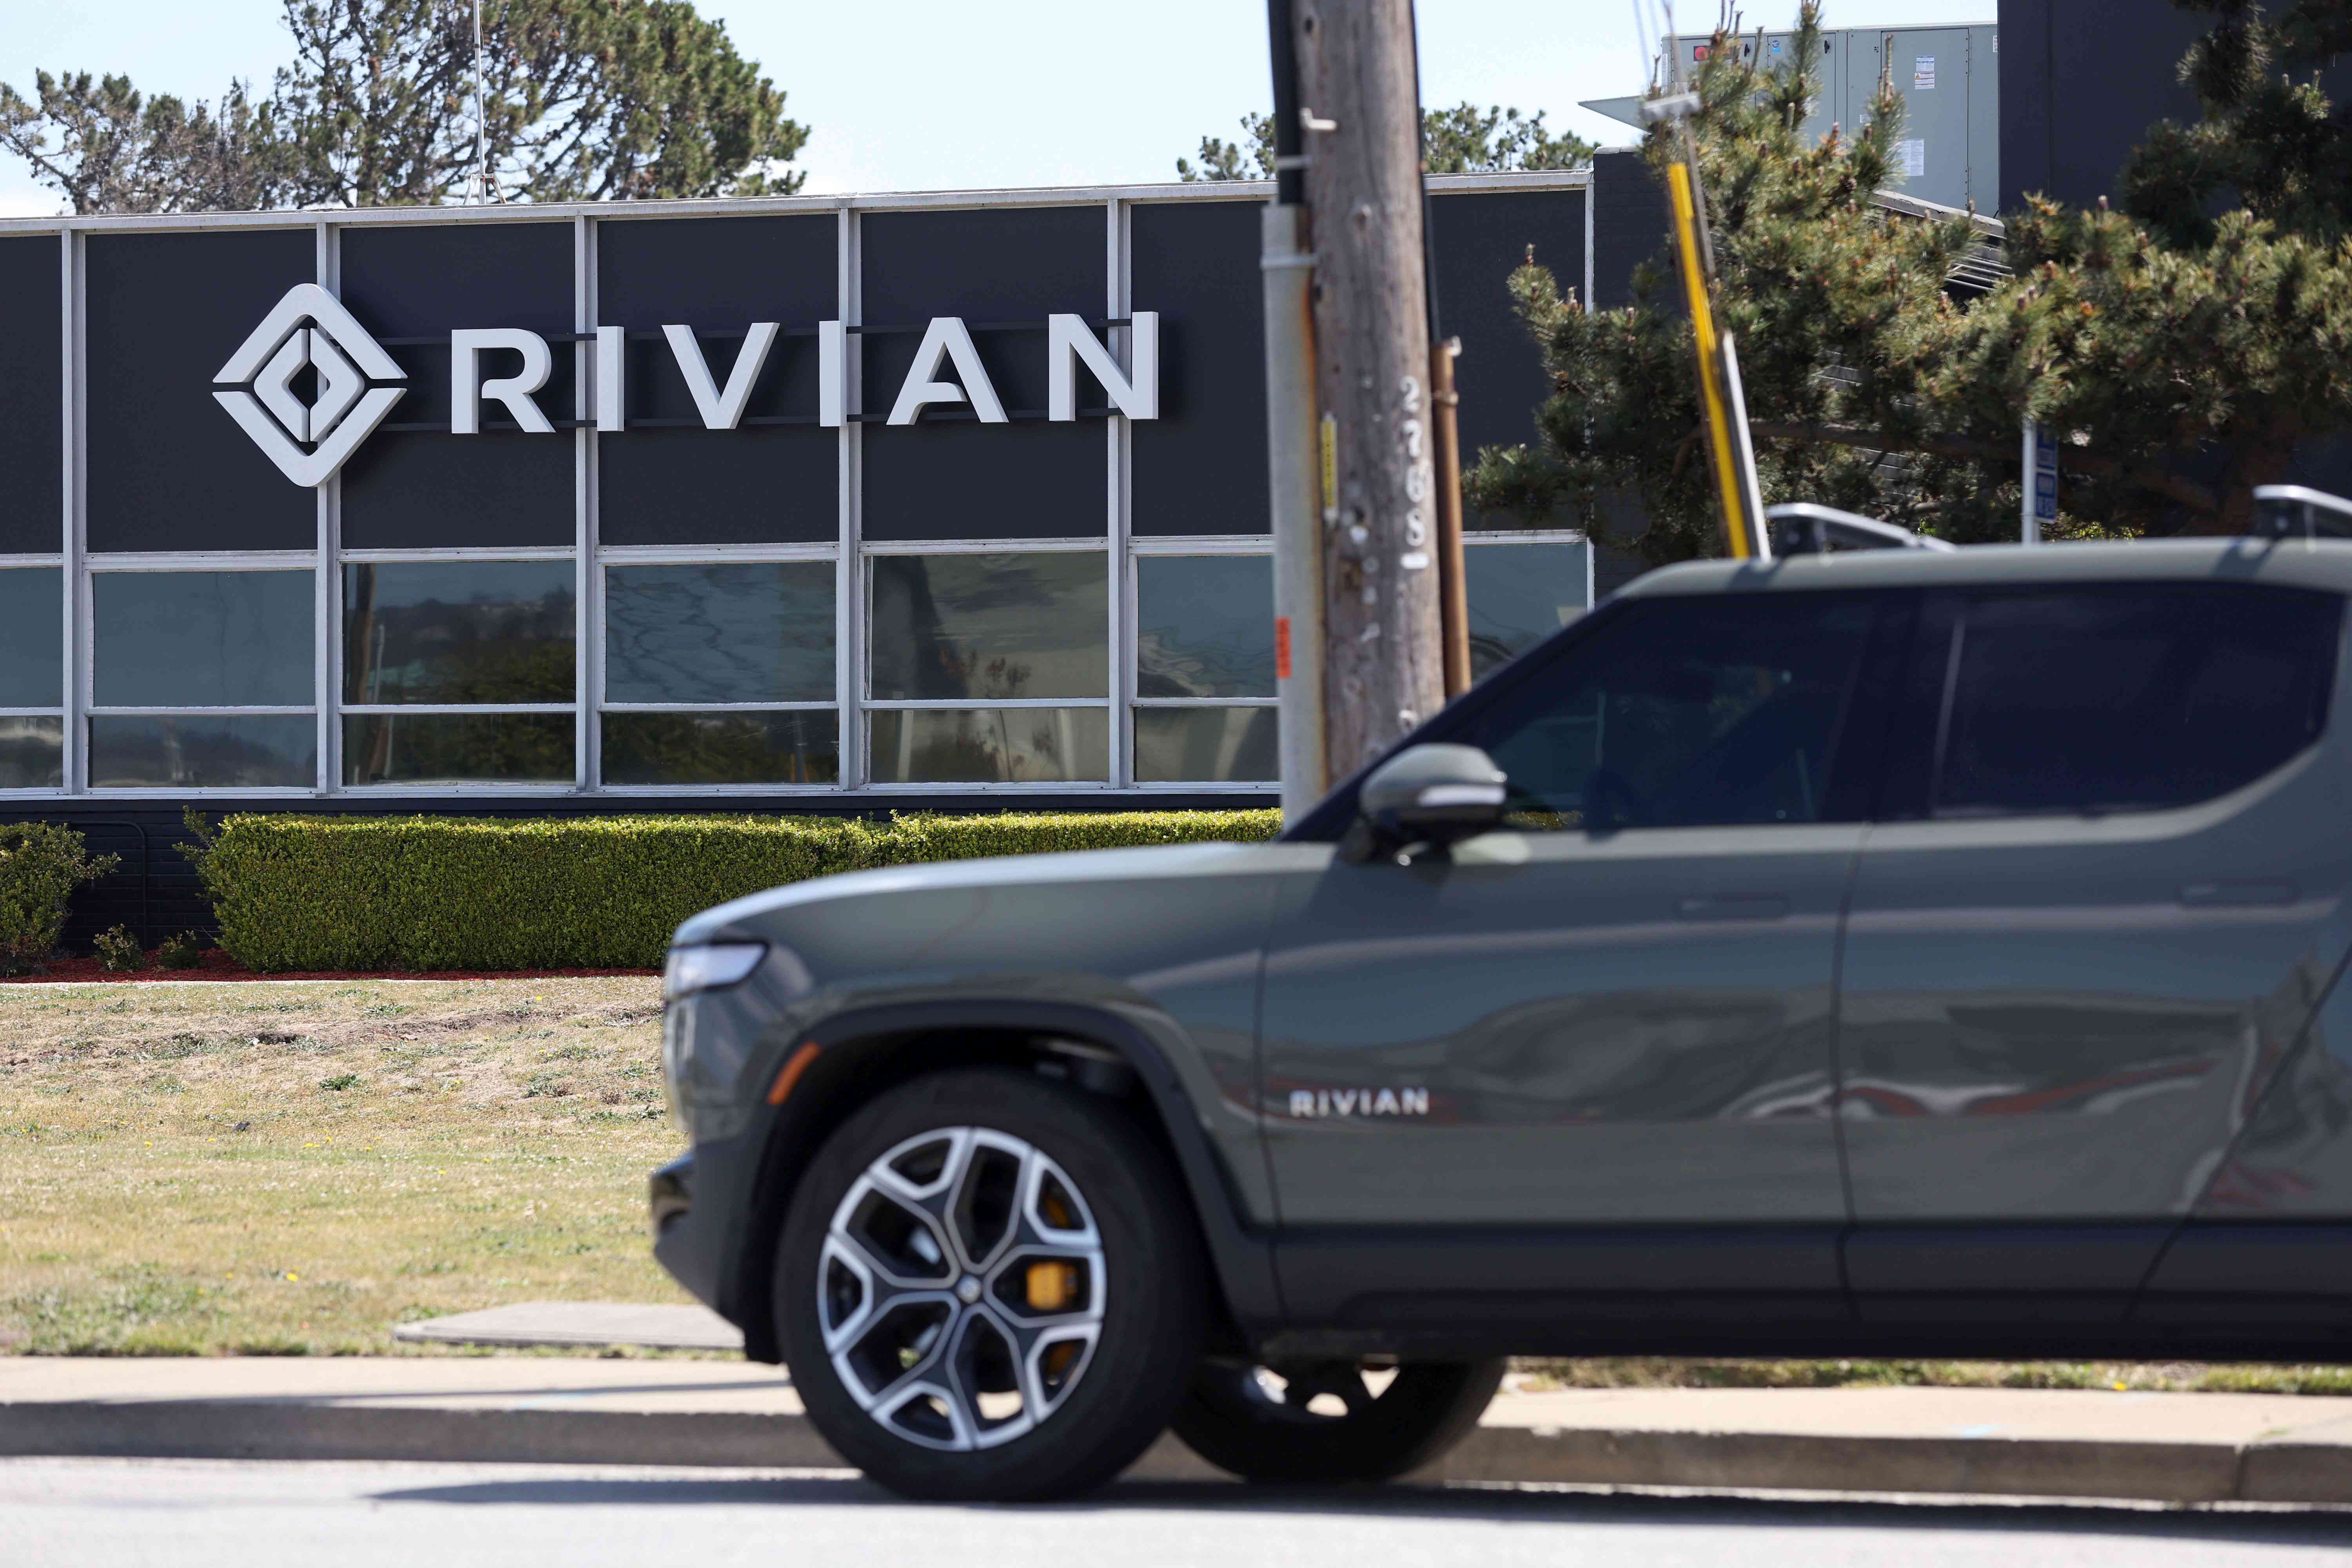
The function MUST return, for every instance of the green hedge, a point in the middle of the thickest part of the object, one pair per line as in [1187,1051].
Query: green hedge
[421,893]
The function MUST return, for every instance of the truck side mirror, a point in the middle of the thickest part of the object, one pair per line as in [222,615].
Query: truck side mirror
[1433,794]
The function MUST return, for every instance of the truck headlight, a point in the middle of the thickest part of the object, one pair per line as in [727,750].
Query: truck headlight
[708,966]
[718,1000]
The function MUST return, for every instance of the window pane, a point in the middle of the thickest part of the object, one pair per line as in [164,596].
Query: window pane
[721,748]
[719,633]
[1205,745]
[32,754]
[459,631]
[2110,699]
[992,745]
[1204,626]
[458,748]
[202,640]
[1521,594]
[32,637]
[204,750]
[1685,713]
[990,626]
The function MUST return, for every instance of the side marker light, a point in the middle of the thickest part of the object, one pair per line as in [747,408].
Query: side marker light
[791,1073]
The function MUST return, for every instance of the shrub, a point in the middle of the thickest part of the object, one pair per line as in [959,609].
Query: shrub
[185,950]
[41,864]
[426,893]
[119,951]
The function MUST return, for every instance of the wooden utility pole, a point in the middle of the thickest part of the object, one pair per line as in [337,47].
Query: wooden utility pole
[1384,670]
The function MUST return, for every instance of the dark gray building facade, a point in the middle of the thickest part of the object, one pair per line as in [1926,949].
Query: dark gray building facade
[814,504]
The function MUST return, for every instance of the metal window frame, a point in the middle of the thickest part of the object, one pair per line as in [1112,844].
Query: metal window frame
[526,788]
[213,711]
[893,201]
[1118,436]
[329,612]
[1473,539]
[83,677]
[1169,547]
[999,786]
[56,563]
[1133,589]
[716,555]
[73,278]
[90,713]
[338,710]
[998,547]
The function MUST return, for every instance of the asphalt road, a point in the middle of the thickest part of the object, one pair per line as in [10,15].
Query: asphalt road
[101,1514]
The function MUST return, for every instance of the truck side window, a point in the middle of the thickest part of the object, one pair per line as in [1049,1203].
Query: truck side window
[1686,713]
[2128,697]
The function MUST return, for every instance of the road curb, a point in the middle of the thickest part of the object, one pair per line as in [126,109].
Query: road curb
[1780,1461]
[272,1429]
[293,1429]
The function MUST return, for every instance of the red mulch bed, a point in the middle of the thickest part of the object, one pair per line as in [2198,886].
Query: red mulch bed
[218,965]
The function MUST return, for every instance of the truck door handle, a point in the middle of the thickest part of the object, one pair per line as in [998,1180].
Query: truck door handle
[1734,907]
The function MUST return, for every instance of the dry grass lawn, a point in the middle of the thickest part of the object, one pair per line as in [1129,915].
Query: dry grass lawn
[293,1168]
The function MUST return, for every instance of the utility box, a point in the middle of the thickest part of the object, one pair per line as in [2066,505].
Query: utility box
[1948,79]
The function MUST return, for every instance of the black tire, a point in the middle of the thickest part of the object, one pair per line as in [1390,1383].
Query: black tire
[1238,1421]
[1120,1246]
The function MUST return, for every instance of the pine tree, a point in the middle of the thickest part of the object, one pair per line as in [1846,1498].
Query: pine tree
[108,148]
[2182,367]
[1463,140]
[2270,141]
[582,100]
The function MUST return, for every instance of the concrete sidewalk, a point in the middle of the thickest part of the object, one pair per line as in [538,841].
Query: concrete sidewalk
[2170,1447]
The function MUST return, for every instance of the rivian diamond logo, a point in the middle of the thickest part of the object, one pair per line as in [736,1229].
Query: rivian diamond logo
[310,330]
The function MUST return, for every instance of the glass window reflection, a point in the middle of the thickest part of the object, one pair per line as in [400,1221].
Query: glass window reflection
[202,640]
[32,754]
[990,745]
[473,631]
[1204,626]
[204,751]
[797,748]
[751,633]
[1521,594]
[1205,745]
[32,639]
[989,626]
[458,748]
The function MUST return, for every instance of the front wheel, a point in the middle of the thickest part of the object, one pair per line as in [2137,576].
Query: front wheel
[989,1289]
[1331,1421]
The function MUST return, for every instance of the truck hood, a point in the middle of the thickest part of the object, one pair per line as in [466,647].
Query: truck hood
[950,885]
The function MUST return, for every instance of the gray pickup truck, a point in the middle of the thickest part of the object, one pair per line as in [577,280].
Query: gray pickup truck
[1899,952]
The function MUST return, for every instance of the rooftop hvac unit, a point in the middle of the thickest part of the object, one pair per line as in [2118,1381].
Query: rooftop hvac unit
[1948,79]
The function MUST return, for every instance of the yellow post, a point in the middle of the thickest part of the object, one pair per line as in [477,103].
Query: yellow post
[1737,527]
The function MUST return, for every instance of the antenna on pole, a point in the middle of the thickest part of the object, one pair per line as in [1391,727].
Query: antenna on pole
[481,120]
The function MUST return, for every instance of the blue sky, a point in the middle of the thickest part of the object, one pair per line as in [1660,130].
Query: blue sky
[949,94]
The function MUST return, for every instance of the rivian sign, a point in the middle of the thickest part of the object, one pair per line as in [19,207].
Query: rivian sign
[355,382]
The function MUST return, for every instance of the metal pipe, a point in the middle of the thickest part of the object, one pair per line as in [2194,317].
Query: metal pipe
[1453,588]
[1291,493]
[1291,465]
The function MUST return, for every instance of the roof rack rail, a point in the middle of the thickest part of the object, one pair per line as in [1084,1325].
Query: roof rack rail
[1800,528]
[2294,512]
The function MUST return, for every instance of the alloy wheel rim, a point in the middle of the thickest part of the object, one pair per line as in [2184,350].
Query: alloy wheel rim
[1294,1390]
[960,1289]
